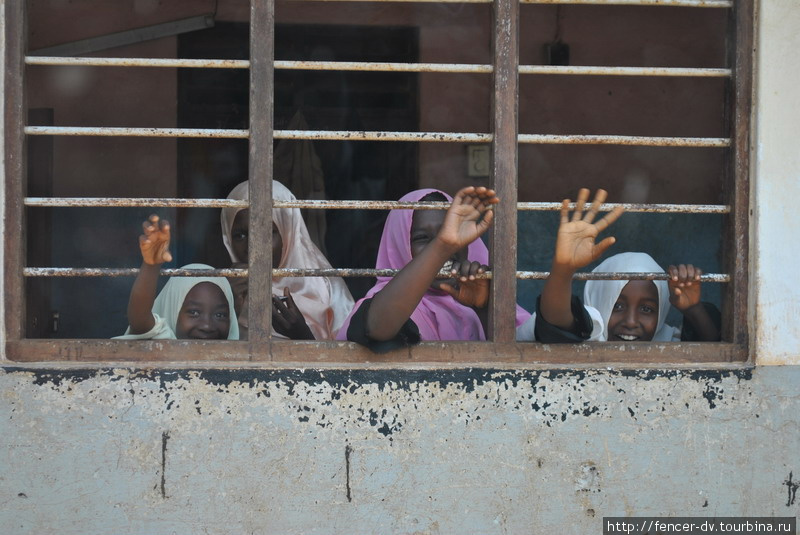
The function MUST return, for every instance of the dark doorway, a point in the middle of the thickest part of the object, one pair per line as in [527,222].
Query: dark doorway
[323,100]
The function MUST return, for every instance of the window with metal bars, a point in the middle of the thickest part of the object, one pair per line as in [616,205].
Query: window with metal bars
[648,99]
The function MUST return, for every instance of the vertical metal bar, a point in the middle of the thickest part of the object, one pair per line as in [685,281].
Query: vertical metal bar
[741,57]
[504,170]
[262,19]
[16,31]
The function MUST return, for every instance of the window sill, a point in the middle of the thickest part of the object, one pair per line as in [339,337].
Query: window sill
[287,354]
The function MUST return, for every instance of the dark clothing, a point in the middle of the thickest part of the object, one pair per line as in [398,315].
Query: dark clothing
[548,333]
[357,332]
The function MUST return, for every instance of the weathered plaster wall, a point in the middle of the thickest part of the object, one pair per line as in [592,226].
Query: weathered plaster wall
[466,451]
[777,161]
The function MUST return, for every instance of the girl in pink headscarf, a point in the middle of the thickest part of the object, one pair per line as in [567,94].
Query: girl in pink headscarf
[413,305]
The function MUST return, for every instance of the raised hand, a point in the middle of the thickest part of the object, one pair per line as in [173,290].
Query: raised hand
[287,318]
[684,286]
[575,243]
[465,287]
[469,216]
[154,243]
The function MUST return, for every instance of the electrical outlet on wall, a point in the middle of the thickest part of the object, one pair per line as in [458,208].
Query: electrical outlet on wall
[478,158]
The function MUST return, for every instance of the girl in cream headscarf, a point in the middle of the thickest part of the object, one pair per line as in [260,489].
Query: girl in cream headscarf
[314,307]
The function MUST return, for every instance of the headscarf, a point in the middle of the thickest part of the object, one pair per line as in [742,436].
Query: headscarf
[170,299]
[324,302]
[438,315]
[602,295]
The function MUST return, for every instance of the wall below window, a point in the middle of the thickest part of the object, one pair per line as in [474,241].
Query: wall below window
[383,451]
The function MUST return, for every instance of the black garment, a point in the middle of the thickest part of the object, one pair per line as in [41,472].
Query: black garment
[357,332]
[548,333]
[688,334]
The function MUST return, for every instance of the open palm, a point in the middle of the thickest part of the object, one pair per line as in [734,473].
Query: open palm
[468,217]
[575,244]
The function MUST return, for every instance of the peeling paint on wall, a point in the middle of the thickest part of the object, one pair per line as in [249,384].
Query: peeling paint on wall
[401,451]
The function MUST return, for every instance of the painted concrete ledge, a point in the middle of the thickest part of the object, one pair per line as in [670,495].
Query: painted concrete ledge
[386,451]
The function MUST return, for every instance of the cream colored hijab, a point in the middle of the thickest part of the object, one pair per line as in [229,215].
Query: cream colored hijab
[324,301]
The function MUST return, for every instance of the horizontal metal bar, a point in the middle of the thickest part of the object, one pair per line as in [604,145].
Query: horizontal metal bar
[139,62]
[413,1]
[378,136]
[666,3]
[624,140]
[93,202]
[135,132]
[279,134]
[332,272]
[382,66]
[373,66]
[623,71]
[635,207]
[676,3]
[383,136]
[542,275]
[127,272]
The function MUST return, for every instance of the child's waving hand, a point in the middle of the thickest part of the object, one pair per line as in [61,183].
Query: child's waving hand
[469,216]
[684,286]
[465,287]
[575,246]
[154,243]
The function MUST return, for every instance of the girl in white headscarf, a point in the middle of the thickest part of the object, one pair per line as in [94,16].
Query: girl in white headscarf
[187,307]
[620,310]
[313,307]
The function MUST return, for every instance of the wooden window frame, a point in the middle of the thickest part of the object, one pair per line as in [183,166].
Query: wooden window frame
[503,350]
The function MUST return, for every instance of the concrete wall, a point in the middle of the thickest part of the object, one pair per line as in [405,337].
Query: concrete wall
[123,450]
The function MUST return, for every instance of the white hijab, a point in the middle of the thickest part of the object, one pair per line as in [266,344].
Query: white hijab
[602,295]
[324,301]
[170,299]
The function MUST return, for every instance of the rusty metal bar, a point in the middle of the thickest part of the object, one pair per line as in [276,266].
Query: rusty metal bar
[674,3]
[93,202]
[610,276]
[383,66]
[625,140]
[413,1]
[134,132]
[341,272]
[84,202]
[139,62]
[383,136]
[635,207]
[739,104]
[666,3]
[624,71]
[128,272]
[260,167]
[374,66]
[458,137]
[504,169]
[15,168]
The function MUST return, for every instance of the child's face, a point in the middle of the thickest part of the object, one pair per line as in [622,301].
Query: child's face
[204,315]
[425,225]
[239,233]
[635,314]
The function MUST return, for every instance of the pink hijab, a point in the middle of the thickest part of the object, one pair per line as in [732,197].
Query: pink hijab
[324,301]
[438,316]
